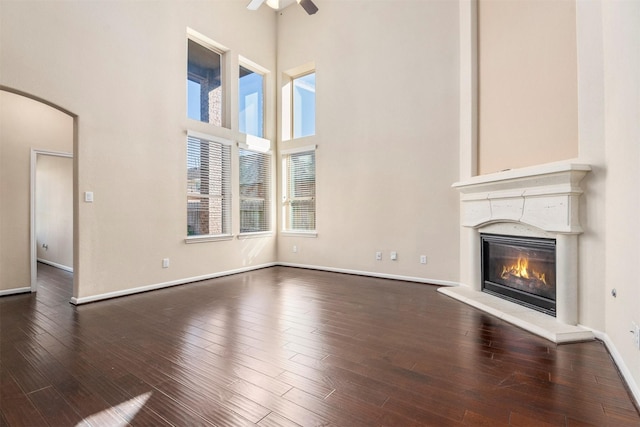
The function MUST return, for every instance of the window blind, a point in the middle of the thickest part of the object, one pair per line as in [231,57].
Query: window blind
[300,191]
[255,191]
[208,187]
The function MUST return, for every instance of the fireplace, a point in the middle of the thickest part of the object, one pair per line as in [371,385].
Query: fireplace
[520,269]
[539,206]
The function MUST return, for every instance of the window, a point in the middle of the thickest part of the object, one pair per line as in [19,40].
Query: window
[251,102]
[299,192]
[208,186]
[255,191]
[304,105]
[204,84]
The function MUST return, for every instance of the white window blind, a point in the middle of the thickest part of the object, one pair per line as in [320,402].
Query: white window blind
[255,191]
[299,195]
[208,187]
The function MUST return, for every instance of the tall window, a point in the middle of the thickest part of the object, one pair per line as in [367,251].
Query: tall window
[208,186]
[255,191]
[204,84]
[251,102]
[299,192]
[304,105]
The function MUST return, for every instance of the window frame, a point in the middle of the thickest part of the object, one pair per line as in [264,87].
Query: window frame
[286,118]
[217,48]
[293,105]
[268,199]
[255,68]
[227,196]
[286,229]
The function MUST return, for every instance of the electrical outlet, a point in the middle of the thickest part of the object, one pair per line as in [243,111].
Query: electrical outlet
[295,249]
[423,259]
[394,255]
[165,262]
[378,256]
[635,330]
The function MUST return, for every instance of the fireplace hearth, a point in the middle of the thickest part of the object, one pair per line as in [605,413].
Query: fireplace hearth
[521,270]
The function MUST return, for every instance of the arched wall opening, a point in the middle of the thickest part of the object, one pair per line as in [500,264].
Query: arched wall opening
[32,128]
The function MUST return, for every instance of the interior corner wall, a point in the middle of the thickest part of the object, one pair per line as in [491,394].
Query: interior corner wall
[24,124]
[609,105]
[528,108]
[387,135]
[121,67]
[54,210]
[621,38]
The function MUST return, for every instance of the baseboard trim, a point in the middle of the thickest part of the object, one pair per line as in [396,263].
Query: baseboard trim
[14,291]
[147,288]
[371,274]
[634,389]
[56,265]
[125,292]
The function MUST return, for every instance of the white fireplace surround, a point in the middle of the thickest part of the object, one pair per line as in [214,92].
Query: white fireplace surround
[539,201]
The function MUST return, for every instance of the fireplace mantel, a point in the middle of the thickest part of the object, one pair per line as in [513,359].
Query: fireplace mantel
[538,201]
[543,196]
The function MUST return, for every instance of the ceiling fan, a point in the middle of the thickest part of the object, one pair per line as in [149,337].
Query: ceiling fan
[307,5]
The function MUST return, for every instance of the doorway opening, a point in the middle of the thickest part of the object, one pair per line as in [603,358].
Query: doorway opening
[51,212]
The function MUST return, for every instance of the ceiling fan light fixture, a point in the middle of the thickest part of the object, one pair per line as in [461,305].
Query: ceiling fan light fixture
[273,4]
[307,5]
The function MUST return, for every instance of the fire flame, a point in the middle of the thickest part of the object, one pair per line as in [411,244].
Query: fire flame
[521,269]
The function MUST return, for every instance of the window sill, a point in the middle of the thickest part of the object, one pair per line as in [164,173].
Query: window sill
[288,233]
[208,238]
[255,235]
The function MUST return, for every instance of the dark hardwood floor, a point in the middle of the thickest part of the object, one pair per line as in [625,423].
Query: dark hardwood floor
[285,347]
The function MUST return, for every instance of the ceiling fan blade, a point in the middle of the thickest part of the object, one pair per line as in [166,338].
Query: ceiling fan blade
[254,4]
[308,6]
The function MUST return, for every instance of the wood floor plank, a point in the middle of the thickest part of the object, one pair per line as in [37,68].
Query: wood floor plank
[53,407]
[279,405]
[276,420]
[20,411]
[291,347]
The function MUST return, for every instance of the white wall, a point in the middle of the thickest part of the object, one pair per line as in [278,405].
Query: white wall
[120,66]
[621,41]
[387,132]
[54,210]
[24,124]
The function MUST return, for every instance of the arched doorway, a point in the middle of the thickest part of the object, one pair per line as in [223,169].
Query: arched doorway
[29,127]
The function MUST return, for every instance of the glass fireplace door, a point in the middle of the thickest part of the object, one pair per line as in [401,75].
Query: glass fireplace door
[520,269]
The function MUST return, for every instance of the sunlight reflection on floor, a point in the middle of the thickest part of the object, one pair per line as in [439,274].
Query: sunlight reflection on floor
[127,410]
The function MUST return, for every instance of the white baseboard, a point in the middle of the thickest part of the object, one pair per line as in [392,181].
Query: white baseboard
[372,274]
[56,265]
[131,291]
[619,361]
[14,291]
[116,294]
